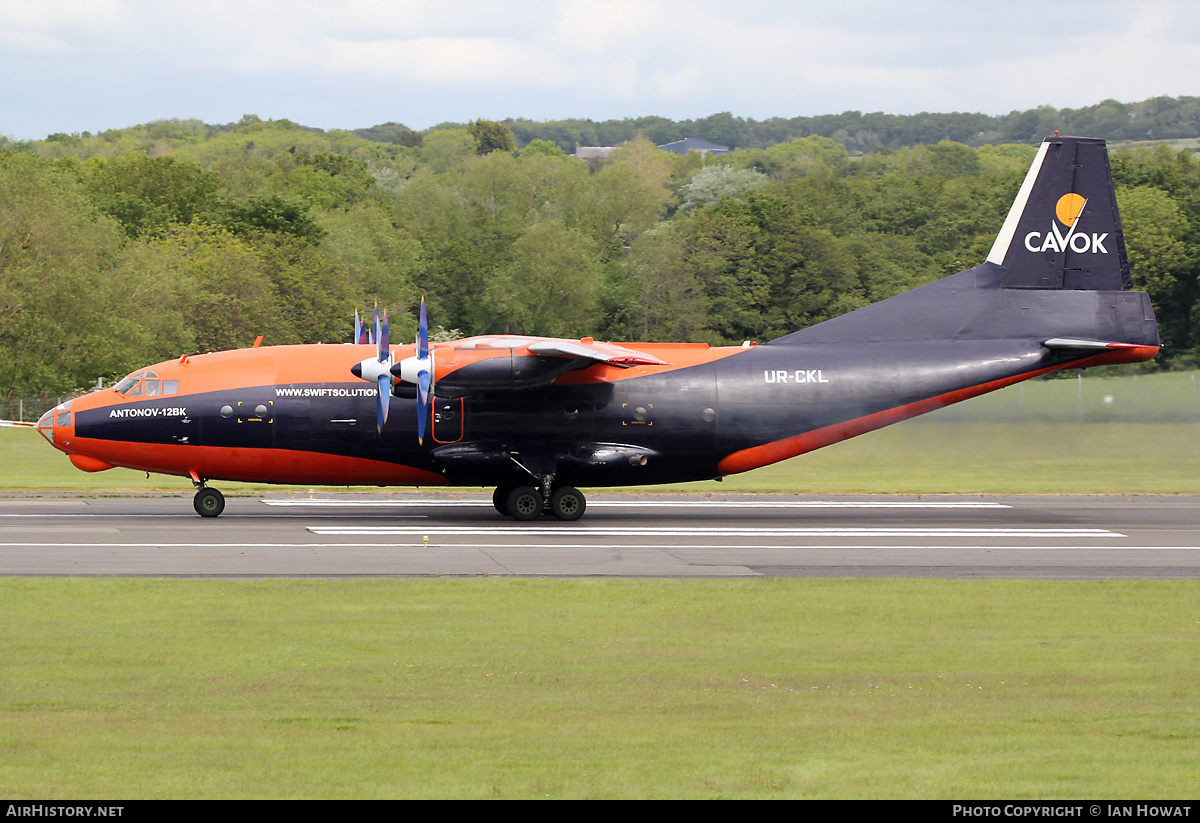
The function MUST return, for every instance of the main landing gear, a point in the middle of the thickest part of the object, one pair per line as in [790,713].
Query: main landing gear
[208,502]
[529,502]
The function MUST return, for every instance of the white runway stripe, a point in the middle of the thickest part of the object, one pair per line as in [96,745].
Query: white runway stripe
[418,544]
[681,531]
[660,504]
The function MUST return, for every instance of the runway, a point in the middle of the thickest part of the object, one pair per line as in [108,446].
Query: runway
[421,534]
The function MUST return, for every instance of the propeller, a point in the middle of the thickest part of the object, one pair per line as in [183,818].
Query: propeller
[377,369]
[425,375]
[419,370]
[385,370]
[382,369]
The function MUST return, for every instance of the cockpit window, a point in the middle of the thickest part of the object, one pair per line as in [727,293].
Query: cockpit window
[125,385]
[145,383]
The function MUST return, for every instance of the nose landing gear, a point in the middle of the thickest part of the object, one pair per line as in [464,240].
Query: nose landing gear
[208,502]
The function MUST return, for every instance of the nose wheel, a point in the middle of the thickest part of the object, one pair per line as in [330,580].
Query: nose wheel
[208,502]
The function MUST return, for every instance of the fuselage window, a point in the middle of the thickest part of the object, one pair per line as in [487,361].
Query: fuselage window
[170,387]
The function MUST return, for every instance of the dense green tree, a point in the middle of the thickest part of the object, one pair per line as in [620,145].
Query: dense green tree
[144,194]
[444,149]
[491,136]
[68,312]
[548,286]
[381,260]
[270,214]
[714,182]
[630,194]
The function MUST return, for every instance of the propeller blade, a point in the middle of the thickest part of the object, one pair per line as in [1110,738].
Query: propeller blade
[385,350]
[385,397]
[423,334]
[423,381]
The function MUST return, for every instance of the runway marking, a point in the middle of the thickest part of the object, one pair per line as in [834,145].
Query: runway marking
[190,516]
[42,527]
[614,504]
[445,546]
[683,531]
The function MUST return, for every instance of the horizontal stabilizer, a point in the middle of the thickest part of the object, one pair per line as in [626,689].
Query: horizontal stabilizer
[1071,344]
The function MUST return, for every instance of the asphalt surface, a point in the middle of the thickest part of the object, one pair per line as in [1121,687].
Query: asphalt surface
[704,536]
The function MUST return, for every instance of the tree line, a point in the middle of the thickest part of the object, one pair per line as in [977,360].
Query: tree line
[1156,118]
[124,248]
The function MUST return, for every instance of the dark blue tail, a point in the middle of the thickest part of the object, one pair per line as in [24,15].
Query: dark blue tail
[1057,275]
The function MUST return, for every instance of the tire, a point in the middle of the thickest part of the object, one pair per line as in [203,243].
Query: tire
[500,499]
[524,503]
[209,502]
[568,503]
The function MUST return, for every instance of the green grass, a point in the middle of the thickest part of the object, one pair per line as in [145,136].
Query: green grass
[987,458]
[533,688]
[539,688]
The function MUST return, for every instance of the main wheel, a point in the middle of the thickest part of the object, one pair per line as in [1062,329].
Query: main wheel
[209,502]
[524,503]
[500,499]
[567,503]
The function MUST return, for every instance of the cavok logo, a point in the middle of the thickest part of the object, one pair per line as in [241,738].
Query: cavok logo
[1067,210]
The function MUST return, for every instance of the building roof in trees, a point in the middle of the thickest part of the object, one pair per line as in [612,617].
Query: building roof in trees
[694,144]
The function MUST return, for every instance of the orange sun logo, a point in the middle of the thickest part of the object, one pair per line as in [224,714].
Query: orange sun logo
[1068,208]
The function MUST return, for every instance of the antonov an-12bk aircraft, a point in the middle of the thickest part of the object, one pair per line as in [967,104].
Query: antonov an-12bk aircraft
[538,417]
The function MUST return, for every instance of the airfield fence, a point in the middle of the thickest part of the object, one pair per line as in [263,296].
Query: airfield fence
[28,408]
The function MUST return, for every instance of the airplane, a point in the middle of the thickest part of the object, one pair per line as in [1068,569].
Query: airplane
[536,418]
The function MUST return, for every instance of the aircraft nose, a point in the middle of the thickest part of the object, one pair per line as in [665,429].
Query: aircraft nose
[45,425]
[60,417]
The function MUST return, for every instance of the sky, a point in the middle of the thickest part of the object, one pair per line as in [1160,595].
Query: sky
[89,65]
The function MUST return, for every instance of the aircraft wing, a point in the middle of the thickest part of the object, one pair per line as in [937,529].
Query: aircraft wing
[510,363]
[588,349]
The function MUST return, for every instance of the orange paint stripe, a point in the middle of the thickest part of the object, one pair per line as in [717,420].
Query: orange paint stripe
[253,465]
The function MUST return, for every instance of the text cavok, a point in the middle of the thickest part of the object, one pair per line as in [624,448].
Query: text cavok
[1055,241]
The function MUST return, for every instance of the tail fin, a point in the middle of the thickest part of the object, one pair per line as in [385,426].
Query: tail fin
[1057,272]
[1063,231]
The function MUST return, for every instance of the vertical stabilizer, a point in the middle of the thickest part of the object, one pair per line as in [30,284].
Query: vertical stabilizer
[1063,231]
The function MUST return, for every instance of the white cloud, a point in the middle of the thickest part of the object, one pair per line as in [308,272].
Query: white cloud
[81,59]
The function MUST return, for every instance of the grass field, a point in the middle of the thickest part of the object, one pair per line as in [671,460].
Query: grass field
[639,688]
[607,689]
